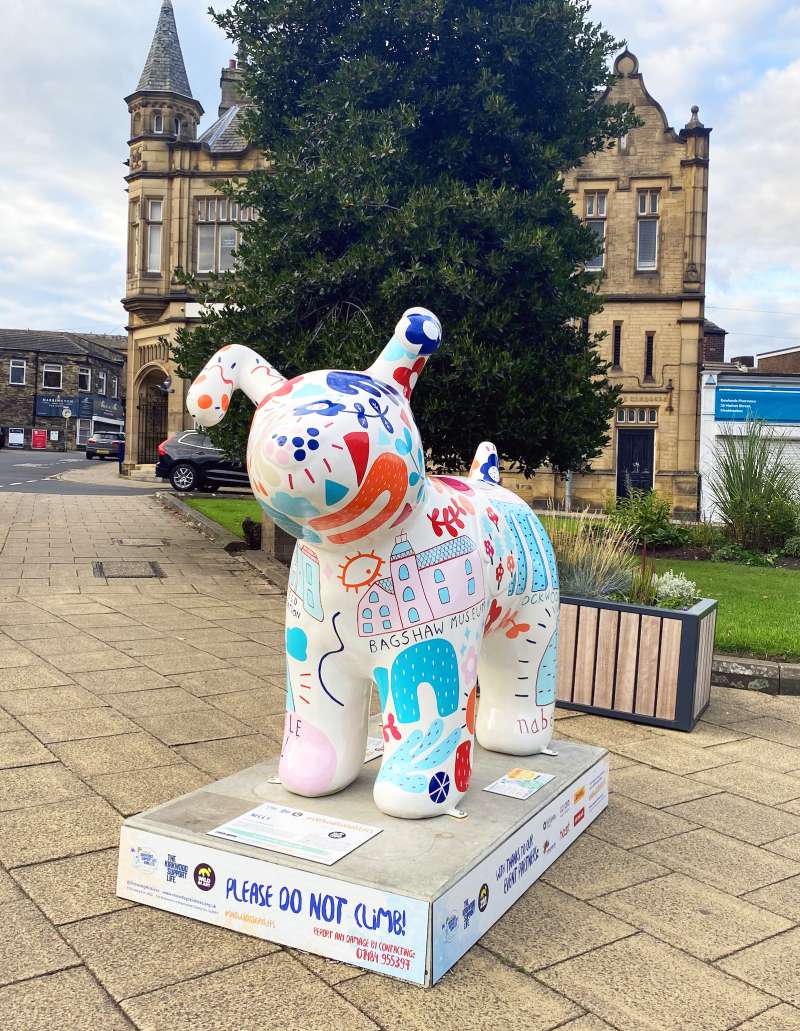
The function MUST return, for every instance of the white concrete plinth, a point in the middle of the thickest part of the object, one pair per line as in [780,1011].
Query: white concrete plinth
[408,903]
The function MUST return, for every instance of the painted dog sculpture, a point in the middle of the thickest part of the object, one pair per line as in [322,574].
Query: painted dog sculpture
[421,584]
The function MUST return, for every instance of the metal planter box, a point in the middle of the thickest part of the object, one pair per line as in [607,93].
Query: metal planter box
[634,662]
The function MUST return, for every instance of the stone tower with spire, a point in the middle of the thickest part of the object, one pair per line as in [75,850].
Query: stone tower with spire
[177,220]
[646,200]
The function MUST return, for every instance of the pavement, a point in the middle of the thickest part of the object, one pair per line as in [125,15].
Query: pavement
[679,909]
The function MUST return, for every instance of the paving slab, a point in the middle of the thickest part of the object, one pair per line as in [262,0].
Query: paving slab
[738,817]
[188,727]
[39,675]
[779,1018]
[21,748]
[47,699]
[773,966]
[667,753]
[222,758]
[782,897]
[155,702]
[252,707]
[224,681]
[74,888]
[138,950]
[511,997]
[703,735]
[50,727]
[289,996]
[692,916]
[29,945]
[771,729]
[27,786]
[753,750]
[658,788]
[628,823]
[70,1000]
[33,835]
[112,755]
[592,867]
[726,864]
[754,782]
[560,925]
[136,790]
[640,984]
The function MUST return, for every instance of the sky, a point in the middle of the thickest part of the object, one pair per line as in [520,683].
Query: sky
[64,127]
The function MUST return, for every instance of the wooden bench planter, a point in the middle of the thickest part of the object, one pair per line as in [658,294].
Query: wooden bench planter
[647,665]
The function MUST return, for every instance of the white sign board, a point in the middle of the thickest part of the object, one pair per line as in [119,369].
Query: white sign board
[352,923]
[295,832]
[66,413]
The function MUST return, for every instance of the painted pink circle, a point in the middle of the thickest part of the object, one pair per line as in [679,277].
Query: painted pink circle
[308,762]
[282,457]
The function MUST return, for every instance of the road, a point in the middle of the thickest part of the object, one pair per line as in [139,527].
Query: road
[30,472]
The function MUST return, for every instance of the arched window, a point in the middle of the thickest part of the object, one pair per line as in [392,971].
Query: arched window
[176,126]
[384,610]
[387,624]
[471,585]
[468,567]
[444,595]
[158,122]
[403,572]
[413,615]
[367,613]
[408,594]
[438,577]
[373,597]
[368,628]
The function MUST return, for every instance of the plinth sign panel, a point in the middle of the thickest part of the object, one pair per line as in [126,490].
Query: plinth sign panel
[424,586]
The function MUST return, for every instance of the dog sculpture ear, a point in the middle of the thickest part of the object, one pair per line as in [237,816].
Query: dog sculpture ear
[416,336]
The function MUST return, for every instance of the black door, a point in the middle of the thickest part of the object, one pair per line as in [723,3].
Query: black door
[152,428]
[634,460]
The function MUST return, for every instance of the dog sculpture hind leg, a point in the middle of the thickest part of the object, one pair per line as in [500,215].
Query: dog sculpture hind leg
[417,583]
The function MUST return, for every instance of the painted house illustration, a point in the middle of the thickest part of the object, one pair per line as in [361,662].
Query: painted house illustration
[304,581]
[437,582]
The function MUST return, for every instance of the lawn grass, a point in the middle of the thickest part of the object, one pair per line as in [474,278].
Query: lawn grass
[759,607]
[228,512]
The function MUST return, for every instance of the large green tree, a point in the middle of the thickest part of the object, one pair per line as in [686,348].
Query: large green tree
[417,149]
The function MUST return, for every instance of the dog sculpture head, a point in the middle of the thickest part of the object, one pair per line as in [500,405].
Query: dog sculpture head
[333,456]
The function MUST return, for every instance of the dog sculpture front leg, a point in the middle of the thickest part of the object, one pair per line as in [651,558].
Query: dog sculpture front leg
[327,694]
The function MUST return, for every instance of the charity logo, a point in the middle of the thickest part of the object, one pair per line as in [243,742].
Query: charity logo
[204,877]
[548,821]
[144,859]
[175,871]
[564,808]
[579,816]
[337,834]
[483,897]
[468,912]
[578,795]
[564,831]
[549,846]
[450,926]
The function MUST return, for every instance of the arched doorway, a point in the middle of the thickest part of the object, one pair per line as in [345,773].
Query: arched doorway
[152,410]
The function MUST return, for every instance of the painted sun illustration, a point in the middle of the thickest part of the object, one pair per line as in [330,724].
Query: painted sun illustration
[360,570]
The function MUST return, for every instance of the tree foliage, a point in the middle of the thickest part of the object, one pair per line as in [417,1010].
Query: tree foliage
[417,149]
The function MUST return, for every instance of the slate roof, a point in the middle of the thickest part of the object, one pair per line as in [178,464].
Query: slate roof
[225,136]
[164,69]
[442,552]
[80,345]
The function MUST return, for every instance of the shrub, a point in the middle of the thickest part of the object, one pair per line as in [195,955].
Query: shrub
[754,489]
[643,589]
[704,535]
[733,553]
[644,515]
[595,558]
[792,547]
[675,591]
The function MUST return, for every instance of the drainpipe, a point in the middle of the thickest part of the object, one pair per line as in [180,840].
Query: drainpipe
[568,491]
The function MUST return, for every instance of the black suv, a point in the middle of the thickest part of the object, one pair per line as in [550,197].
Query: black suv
[104,444]
[190,462]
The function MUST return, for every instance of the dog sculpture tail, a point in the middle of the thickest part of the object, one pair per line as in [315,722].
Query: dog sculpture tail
[485,465]
[233,367]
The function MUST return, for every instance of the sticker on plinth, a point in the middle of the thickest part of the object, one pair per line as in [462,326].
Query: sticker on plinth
[296,832]
[519,783]
[466,911]
[352,923]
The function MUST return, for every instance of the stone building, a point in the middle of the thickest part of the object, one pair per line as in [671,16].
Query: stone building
[44,373]
[177,220]
[646,201]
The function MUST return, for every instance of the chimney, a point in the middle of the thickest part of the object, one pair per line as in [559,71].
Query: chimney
[229,86]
